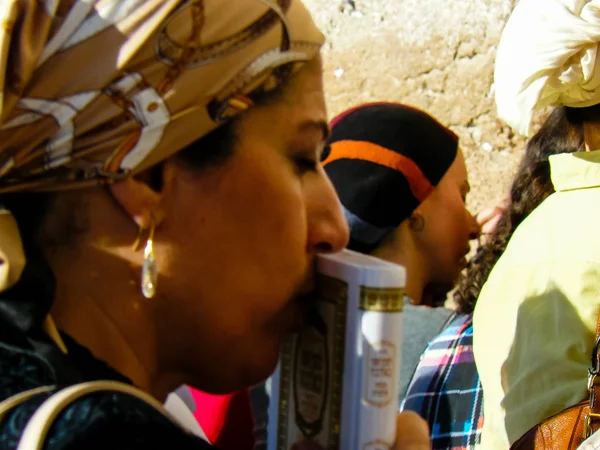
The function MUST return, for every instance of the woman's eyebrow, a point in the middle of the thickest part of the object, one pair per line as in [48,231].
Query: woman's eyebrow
[315,125]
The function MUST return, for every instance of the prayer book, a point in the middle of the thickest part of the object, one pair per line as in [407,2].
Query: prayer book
[336,383]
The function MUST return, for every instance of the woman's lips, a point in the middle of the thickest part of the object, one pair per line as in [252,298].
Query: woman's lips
[299,310]
[301,304]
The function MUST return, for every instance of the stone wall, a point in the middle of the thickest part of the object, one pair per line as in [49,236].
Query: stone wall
[437,55]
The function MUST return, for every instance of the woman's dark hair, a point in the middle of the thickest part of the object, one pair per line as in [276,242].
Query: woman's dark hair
[561,133]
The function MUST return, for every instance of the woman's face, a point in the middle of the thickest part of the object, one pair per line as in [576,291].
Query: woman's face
[448,227]
[237,244]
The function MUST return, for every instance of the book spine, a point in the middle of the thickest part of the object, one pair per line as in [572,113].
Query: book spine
[381,339]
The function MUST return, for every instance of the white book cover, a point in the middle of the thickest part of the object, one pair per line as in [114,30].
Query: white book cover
[337,381]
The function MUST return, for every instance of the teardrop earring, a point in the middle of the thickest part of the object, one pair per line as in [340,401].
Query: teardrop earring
[149,277]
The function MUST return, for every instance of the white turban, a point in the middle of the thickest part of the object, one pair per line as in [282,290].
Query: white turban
[547,56]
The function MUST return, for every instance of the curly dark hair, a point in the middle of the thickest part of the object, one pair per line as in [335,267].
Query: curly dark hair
[561,133]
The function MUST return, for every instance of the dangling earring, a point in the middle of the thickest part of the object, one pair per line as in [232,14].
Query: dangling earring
[417,222]
[149,276]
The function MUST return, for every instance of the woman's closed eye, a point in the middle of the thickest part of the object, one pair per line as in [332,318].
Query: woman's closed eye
[307,147]
[307,160]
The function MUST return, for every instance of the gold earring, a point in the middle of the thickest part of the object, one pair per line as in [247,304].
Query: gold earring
[149,276]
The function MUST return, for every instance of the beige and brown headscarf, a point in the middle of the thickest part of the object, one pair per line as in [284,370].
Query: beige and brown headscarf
[103,88]
[92,91]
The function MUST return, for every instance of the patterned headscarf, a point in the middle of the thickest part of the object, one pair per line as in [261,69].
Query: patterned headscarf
[547,56]
[92,91]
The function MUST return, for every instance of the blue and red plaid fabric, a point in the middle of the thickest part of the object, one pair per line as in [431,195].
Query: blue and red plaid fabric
[445,389]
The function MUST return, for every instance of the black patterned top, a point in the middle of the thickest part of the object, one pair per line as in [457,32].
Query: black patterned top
[100,420]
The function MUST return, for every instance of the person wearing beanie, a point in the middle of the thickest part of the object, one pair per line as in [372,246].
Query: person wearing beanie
[536,315]
[402,182]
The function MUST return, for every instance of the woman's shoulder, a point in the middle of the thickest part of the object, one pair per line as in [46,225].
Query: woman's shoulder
[554,233]
[22,371]
[99,420]
[103,420]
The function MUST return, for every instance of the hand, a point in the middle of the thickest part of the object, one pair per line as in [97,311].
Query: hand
[488,218]
[412,432]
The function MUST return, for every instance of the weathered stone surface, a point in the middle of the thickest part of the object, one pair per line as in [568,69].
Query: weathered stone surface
[433,54]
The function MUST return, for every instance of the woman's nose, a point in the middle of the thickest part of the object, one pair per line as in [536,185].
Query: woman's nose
[328,229]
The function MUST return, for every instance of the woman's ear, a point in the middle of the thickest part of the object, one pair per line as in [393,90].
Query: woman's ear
[139,201]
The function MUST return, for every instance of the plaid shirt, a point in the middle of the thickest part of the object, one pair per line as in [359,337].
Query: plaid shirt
[446,391]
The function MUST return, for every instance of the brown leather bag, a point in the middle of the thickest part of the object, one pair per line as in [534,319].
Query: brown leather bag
[569,428]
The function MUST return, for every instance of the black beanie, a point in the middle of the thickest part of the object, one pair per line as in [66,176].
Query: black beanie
[384,159]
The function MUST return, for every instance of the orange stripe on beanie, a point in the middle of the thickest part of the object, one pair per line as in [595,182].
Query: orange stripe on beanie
[367,151]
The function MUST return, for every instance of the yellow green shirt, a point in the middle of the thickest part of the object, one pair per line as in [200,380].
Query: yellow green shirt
[535,320]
